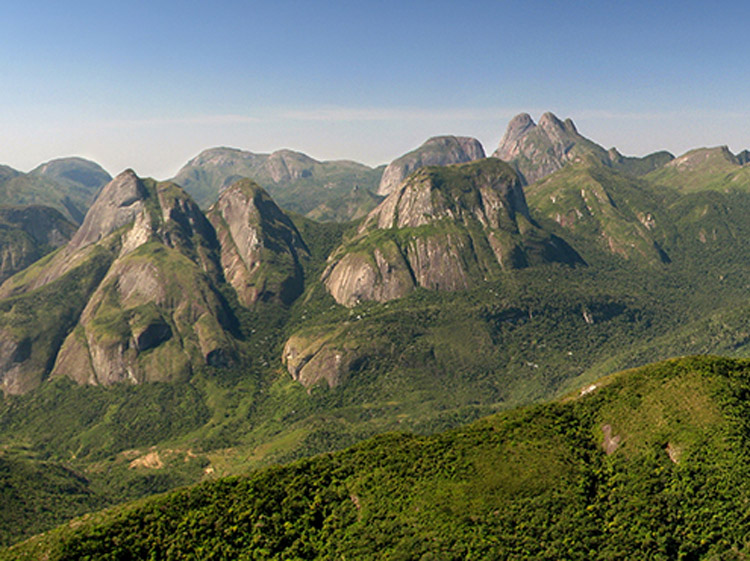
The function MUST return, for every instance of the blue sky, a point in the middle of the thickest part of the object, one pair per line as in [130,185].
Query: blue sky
[148,85]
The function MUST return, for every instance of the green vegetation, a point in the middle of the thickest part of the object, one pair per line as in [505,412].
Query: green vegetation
[650,464]
[27,233]
[350,206]
[703,169]
[666,274]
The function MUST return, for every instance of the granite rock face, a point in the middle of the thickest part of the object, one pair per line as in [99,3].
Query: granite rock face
[537,150]
[445,228]
[261,249]
[133,297]
[437,151]
[118,204]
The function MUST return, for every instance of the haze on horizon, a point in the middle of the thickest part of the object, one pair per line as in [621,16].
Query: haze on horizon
[150,85]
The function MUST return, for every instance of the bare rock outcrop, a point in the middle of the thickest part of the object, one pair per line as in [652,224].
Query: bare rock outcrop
[261,249]
[118,204]
[537,150]
[327,355]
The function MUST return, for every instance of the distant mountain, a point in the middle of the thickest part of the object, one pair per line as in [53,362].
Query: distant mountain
[296,181]
[436,151]
[27,233]
[704,169]
[74,172]
[67,184]
[535,151]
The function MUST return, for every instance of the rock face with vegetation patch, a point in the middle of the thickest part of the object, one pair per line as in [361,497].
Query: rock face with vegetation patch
[600,209]
[437,151]
[132,297]
[537,150]
[444,229]
[261,249]
[323,355]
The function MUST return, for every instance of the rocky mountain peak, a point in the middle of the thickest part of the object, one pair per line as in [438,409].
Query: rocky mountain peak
[518,126]
[261,249]
[445,228]
[550,122]
[486,192]
[118,204]
[436,151]
[536,151]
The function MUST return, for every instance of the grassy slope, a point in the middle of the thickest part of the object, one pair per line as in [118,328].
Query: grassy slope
[526,484]
[703,169]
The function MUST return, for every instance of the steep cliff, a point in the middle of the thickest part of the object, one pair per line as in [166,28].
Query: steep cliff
[261,249]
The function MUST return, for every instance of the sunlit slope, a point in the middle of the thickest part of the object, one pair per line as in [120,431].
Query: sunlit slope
[651,463]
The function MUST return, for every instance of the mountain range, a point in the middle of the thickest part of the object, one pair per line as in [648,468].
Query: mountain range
[208,325]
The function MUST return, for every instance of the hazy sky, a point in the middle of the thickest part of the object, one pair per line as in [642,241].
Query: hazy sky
[150,84]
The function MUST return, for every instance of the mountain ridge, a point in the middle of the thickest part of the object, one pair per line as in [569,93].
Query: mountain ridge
[66,184]
[537,150]
[297,181]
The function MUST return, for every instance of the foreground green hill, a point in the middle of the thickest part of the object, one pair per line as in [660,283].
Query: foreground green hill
[646,464]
